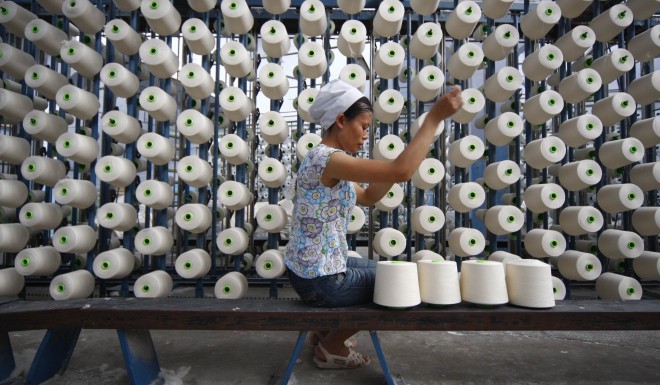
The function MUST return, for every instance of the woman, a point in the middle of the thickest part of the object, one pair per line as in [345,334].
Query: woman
[326,191]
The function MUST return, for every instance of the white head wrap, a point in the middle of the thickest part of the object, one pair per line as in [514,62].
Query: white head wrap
[333,99]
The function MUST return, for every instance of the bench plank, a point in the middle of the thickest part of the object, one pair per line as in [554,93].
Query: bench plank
[35,315]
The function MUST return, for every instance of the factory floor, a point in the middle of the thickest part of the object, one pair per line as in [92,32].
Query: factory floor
[228,357]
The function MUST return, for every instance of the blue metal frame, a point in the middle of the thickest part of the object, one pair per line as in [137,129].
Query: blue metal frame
[140,357]
[7,363]
[53,355]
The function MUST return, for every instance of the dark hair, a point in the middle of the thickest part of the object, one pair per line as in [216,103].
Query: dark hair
[360,106]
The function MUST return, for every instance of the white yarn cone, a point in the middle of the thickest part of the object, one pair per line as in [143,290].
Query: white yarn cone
[467,196]
[157,284]
[540,243]
[576,42]
[44,216]
[356,220]
[114,264]
[427,219]
[388,18]
[272,218]
[541,153]
[646,221]
[77,284]
[428,84]
[86,61]
[273,127]
[193,217]
[13,193]
[465,62]
[124,38]
[45,36]
[580,220]
[304,103]
[79,148]
[43,170]
[578,266]
[647,266]
[11,282]
[306,143]
[426,40]
[273,80]
[646,45]
[75,239]
[235,59]
[84,15]
[482,282]
[159,58]
[117,216]
[540,108]
[580,85]
[193,264]
[161,15]
[13,237]
[438,282]
[196,127]
[429,174]
[354,75]
[622,152]
[389,242]
[234,195]
[396,284]
[232,285]
[45,80]
[388,106]
[389,60]
[614,64]
[614,108]
[576,176]
[237,16]
[502,220]
[197,36]
[503,257]
[539,21]
[501,174]
[75,193]
[611,22]
[462,21]
[392,199]
[622,197]
[573,8]
[14,62]
[196,81]
[159,104]
[156,240]
[121,127]
[618,244]
[232,241]
[504,128]
[311,60]
[313,20]
[558,289]
[14,150]
[501,42]
[541,198]
[14,18]
[155,194]
[580,130]
[120,80]
[156,148]
[503,84]
[270,264]
[275,39]
[466,242]
[272,173]
[542,62]
[38,261]
[645,90]
[529,284]
[496,9]
[116,171]
[646,176]
[235,105]
[615,287]
[78,102]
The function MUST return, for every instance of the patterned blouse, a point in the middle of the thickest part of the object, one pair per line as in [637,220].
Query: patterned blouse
[317,241]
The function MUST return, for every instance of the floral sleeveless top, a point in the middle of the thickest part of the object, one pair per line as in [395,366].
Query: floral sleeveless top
[317,241]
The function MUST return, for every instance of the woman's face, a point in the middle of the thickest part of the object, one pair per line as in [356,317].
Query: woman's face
[353,132]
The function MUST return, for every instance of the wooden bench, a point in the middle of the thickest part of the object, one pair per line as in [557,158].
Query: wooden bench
[133,318]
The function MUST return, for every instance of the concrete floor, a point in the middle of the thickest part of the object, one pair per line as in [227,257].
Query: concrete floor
[420,358]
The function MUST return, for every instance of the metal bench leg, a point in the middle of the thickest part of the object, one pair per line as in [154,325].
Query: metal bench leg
[140,357]
[294,357]
[53,355]
[7,363]
[383,362]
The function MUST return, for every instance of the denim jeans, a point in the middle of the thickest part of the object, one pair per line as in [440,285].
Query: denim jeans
[354,287]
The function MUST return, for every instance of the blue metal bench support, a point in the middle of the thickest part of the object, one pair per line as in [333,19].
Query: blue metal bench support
[53,355]
[294,357]
[7,363]
[140,357]
[383,362]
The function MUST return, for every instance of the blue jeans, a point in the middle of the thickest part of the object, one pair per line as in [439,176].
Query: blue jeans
[354,287]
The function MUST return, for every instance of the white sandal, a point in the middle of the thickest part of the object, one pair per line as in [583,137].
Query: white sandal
[352,361]
[314,337]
